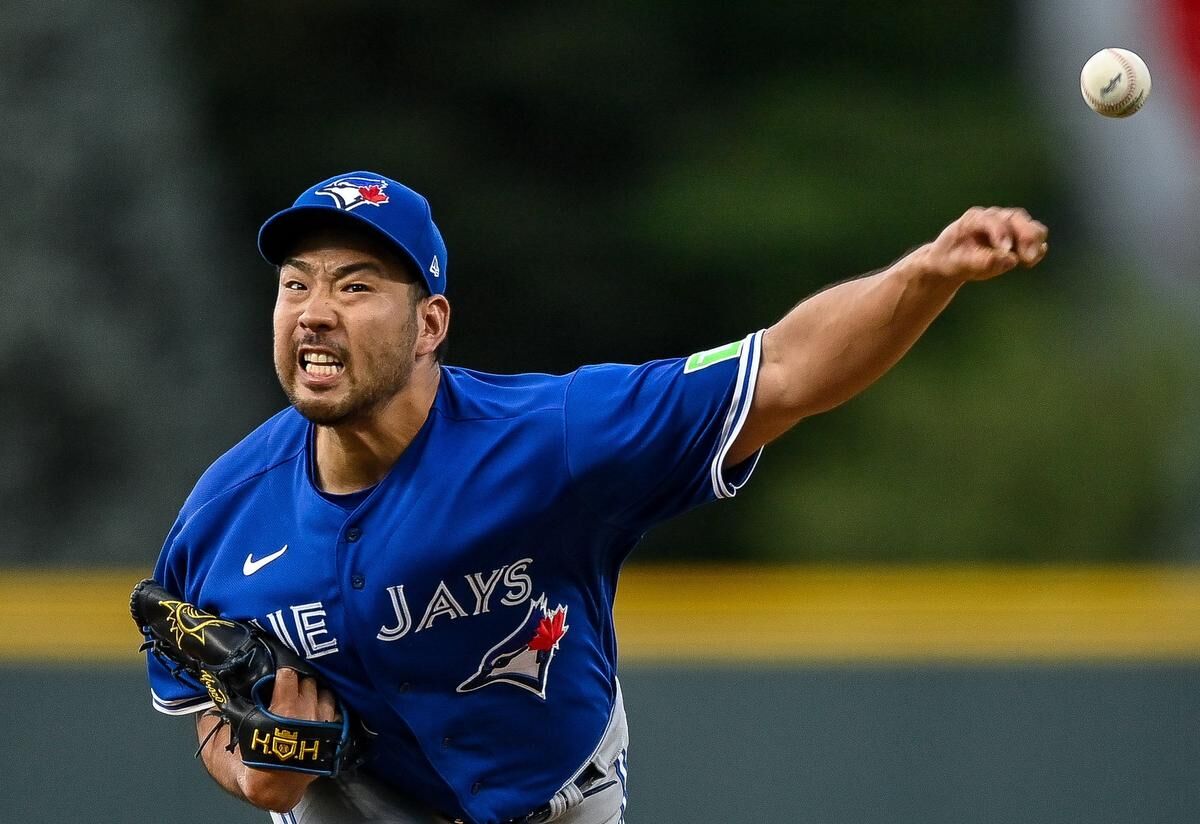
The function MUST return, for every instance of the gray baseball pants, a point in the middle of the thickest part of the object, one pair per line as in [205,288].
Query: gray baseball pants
[361,799]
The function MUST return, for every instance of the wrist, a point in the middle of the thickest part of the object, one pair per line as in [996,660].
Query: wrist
[920,267]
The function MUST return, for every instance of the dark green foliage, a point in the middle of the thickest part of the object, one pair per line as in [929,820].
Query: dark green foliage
[629,180]
[621,181]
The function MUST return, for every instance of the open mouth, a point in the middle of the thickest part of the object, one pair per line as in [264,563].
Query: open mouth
[320,364]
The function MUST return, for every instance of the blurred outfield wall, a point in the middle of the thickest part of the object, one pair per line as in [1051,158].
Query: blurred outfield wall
[966,695]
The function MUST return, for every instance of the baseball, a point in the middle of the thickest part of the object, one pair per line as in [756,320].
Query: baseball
[1115,82]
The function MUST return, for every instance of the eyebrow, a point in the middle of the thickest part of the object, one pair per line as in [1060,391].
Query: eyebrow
[338,273]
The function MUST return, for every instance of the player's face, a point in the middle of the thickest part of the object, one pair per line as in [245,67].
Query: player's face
[345,327]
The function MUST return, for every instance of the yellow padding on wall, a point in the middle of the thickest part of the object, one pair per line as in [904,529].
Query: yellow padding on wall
[910,614]
[751,614]
[68,616]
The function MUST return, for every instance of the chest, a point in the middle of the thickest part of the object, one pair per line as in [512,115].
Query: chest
[432,561]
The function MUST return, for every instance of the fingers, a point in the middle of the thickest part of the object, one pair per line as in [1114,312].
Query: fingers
[987,242]
[297,696]
[991,226]
[327,706]
[286,686]
[983,262]
[1030,238]
[1028,235]
[286,696]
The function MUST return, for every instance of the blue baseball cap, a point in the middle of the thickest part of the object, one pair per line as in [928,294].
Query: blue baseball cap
[390,209]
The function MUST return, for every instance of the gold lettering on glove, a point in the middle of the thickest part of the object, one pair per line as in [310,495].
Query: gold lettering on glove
[261,743]
[284,745]
[213,686]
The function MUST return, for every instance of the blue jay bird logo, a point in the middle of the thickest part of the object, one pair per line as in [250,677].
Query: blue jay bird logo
[349,193]
[523,658]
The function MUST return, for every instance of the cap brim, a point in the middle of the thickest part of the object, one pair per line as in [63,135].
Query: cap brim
[282,231]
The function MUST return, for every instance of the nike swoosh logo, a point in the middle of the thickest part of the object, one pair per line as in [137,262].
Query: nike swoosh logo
[252,566]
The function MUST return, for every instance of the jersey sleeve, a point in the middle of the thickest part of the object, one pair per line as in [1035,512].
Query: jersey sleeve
[648,442]
[171,694]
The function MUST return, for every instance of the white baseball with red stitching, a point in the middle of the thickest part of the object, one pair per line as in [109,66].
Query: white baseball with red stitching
[1115,82]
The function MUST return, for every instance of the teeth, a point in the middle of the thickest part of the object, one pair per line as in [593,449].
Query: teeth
[320,364]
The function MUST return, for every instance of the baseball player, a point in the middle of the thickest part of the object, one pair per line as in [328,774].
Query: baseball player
[443,545]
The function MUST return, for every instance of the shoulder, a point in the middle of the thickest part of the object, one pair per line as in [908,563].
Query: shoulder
[709,369]
[278,440]
[470,395]
[602,378]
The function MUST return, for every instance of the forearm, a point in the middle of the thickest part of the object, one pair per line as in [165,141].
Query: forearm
[265,789]
[838,342]
[224,766]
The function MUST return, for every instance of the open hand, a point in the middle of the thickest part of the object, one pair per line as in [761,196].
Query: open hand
[984,243]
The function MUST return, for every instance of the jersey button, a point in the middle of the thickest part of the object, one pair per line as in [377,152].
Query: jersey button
[353,534]
[475,788]
[446,742]
[358,582]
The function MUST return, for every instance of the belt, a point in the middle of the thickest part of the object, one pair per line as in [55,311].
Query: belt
[568,797]
[563,800]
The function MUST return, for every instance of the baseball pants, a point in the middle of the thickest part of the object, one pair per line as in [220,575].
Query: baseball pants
[599,797]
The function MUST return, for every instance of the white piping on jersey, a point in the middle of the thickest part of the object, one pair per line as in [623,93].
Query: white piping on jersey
[179,706]
[624,779]
[730,417]
[739,409]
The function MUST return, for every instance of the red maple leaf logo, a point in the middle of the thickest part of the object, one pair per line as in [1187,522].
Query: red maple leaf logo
[372,194]
[550,629]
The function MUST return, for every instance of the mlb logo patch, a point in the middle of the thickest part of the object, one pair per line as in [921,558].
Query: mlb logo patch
[349,193]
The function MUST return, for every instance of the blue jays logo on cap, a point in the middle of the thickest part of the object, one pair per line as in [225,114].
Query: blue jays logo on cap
[351,192]
[523,658]
[390,209]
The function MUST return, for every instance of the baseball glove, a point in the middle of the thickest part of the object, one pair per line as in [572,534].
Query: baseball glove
[236,663]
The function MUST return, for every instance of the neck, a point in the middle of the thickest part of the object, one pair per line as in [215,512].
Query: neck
[357,454]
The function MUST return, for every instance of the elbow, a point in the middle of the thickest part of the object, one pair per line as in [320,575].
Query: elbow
[782,392]
[781,388]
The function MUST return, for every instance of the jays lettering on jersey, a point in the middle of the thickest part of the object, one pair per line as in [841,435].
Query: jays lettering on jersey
[463,606]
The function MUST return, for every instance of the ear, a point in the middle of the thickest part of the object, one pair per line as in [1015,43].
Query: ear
[433,324]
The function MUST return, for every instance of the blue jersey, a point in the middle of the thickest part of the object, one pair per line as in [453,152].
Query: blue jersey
[463,606]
